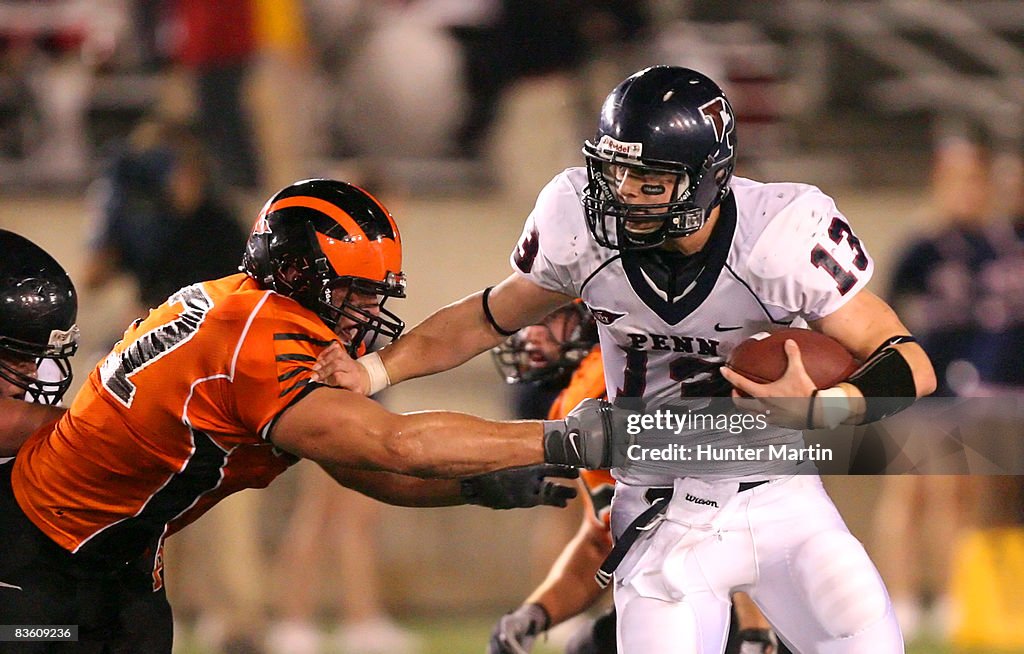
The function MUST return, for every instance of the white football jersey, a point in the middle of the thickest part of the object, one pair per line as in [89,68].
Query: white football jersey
[781,254]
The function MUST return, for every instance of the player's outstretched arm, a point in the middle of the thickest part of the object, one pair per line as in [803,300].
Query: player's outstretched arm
[568,590]
[19,419]
[513,488]
[458,332]
[393,488]
[339,428]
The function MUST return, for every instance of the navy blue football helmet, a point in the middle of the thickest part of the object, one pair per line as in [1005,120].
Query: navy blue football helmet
[663,119]
[38,309]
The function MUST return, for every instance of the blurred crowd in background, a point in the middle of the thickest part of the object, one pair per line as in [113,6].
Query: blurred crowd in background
[166,122]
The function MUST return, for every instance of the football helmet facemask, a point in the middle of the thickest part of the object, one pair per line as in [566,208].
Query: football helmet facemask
[38,309]
[318,236]
[665,121]
[571,328]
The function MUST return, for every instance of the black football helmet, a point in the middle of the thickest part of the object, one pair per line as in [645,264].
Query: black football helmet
[517,362]
[663,119]
[318,235]
[38,309]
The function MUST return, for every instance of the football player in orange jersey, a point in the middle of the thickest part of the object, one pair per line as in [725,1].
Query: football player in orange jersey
[213,392]
[38,336]
[563,350]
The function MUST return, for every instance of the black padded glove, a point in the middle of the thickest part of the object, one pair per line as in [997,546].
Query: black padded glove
[520,488]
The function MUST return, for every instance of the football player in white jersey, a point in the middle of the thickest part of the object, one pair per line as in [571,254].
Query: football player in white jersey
[680,261]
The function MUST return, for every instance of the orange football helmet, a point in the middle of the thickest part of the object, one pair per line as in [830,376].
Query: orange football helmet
[319,235]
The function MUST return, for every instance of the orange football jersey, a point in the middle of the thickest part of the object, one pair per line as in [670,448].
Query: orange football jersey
[173,420]
[588,381]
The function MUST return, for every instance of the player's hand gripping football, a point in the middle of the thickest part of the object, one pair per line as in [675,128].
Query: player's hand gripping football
[515,632]
[335,367]
[520,488]
[783,401]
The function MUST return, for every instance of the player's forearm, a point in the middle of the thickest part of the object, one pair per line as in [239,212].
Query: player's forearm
[343,429]
[446,444]
[448,338]
[400,490]
[569,588]
[19,420]
[748,616]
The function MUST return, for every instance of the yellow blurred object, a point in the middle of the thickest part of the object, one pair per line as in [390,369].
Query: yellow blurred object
[280,26]
[988,589]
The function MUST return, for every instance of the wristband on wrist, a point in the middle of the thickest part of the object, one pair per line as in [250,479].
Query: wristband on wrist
[887,383]
[375,370]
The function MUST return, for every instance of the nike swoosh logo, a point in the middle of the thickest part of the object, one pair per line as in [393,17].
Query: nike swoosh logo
[720,328]
[3,585]
[575,447]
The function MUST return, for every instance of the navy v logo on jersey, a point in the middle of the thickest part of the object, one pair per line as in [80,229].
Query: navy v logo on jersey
[672,285]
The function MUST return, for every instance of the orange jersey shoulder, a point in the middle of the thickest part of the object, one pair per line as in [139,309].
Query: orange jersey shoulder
[174,418]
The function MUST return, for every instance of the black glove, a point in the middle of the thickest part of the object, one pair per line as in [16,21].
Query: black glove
[515,632]
[584,438]
[758,641]
[520,488]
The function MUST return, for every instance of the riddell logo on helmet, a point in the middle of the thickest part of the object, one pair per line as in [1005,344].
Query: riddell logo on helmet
[609,145]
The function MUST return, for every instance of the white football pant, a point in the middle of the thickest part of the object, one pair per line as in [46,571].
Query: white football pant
[784,543]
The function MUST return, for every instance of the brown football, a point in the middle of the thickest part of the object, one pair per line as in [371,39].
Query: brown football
[764,360]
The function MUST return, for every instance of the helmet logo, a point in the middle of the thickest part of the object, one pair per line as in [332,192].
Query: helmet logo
[719,114]
[60,338]
[262,226]
[610,147]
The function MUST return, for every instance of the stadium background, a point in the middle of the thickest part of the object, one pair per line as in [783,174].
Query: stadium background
[847,99]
